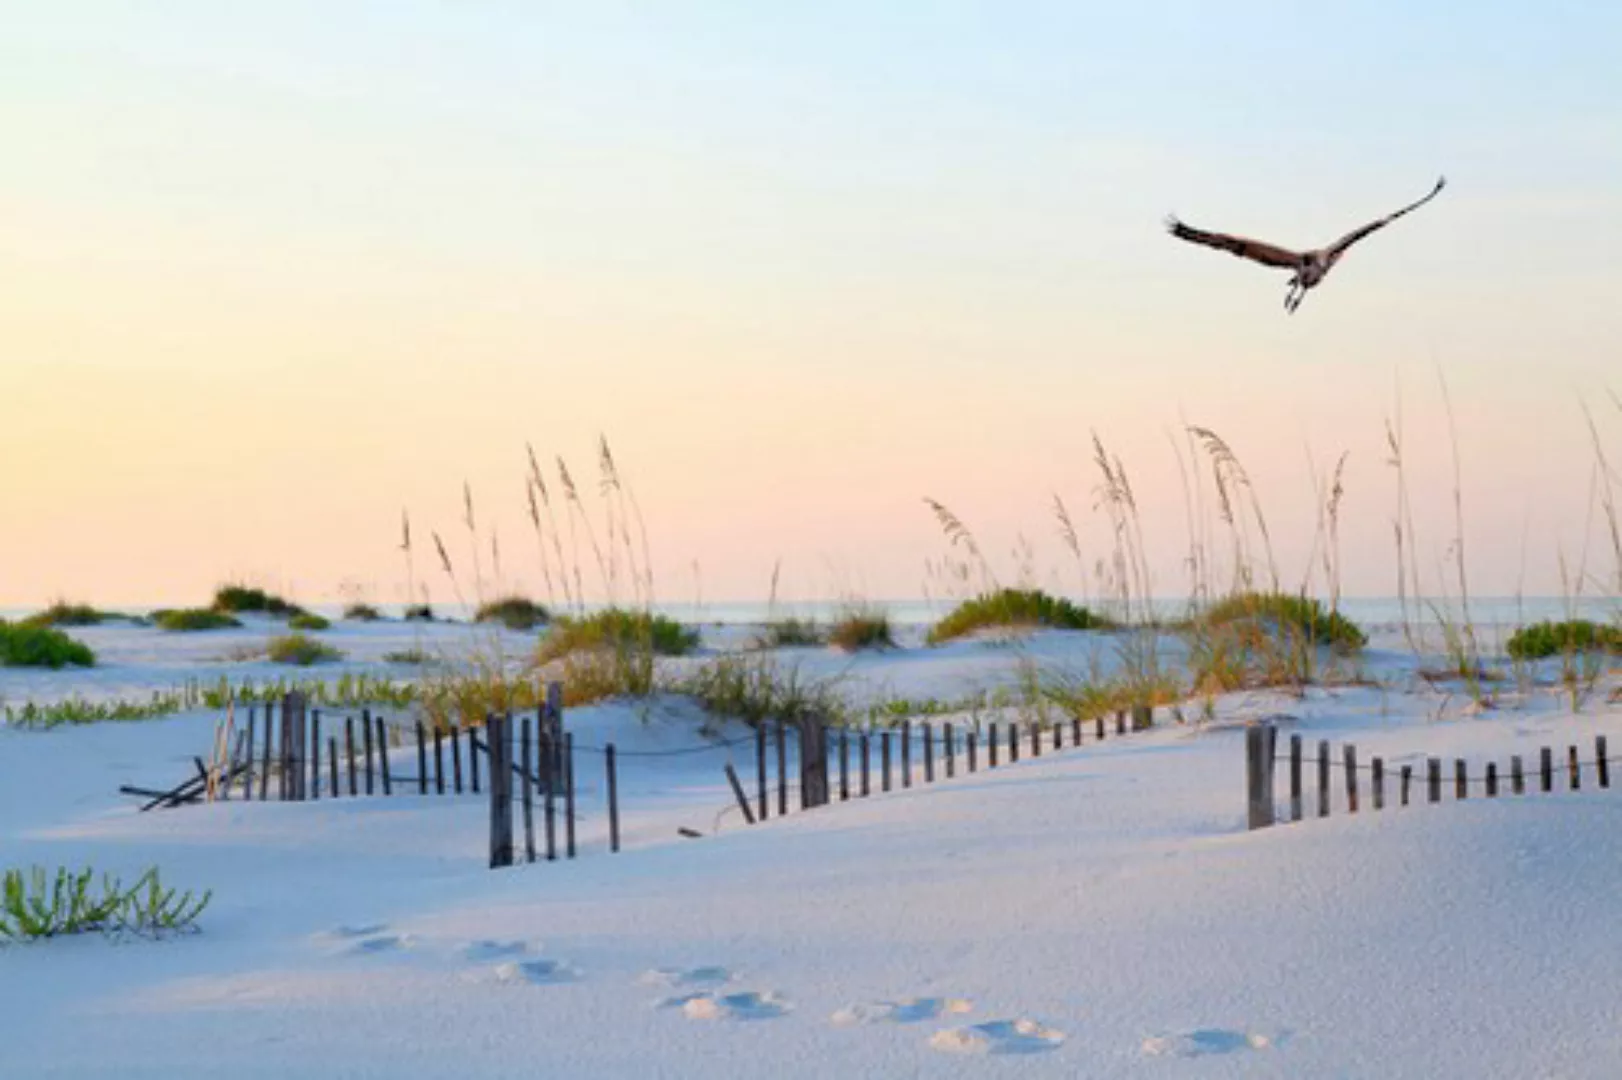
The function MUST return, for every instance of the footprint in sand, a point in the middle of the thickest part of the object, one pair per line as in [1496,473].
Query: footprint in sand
[1019,1036]
[480,951]
[746,1005]
[901,1012]
[676,977]
[537,972]
[1203,1042]
[371,939]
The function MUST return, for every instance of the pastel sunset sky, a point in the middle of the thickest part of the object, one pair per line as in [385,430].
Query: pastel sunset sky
[272,273]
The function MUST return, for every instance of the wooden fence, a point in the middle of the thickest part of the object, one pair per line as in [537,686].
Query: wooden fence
[1549,772]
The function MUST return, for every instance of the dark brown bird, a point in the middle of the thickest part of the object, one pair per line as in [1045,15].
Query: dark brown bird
[1310,267]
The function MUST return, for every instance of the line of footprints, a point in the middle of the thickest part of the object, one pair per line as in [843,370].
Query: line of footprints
[702,994]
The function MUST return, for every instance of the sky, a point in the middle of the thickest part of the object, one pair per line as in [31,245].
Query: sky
[273,274]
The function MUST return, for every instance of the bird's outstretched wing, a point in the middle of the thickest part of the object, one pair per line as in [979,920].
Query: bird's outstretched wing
[1254,250]
[1338,248]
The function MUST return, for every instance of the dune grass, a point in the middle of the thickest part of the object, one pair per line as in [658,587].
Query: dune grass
[33,645]
[514,612]
[617,629]
[1287,614]
[236,598]
[418,613]
[756,689]
[186,620]
[1016,609]
[62,613]
[309,621]
[301,650]
[790,632]
[358,612]
[861,627]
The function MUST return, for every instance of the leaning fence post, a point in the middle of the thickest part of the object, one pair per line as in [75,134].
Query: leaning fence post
[1601,766]
[1378,782]
[737,791]
[501,805]
[1295,778]
[1256,775]
[366,726]
[1349,753]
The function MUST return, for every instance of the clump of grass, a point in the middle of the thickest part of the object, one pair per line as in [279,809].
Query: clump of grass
[419,613]
[790,632]
[406,656]
[192,619]
[79,710]
[513,612]
[347,691]
[618,630]
[758,690]
[240,598]
[1020,608]
[309,621]
[33,645]
[35,906]
[300,649]
[1286,613]
[358,612]
[62,613]
[861,627]
[1547,638]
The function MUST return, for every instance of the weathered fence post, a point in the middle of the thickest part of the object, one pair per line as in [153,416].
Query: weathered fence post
[1323,777]
[1407,780]
[1075,731]
[1492,779]
[383,755]
[1036,738]
[547,770]
[439,761]
[264,765]
[972,740]
[1120,725]
[813,763]
[1601,766]
[906,753]
[761,780]
[844,765]
[499,747]
[315,754]
[1461,789]
[349,750]
[526,776]
[1547,762]
[1576,778]
[456,759]
[782,768]
[948,751]
[884,759]
[612,769]
[1058,736]
[1378,781]
[332,766]
[1517,776]
[991,745]
[247,774]
[1257,774]
[422,760]
[1098,726]
[1433,778]
[568,790]
[1013,742]
[866,767]
[1143,716]
[473,760]
[1295,778]
[366,729]
[1349,753]
[929,753]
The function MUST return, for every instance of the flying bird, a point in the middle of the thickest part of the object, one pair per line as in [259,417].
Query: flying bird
[1310,267]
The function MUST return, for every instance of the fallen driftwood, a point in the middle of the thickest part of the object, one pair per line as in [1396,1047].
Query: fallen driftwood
[188,791]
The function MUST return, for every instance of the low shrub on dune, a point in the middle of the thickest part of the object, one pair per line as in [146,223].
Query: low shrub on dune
[33,645]
[362,613]
[62,613]
[861,628]
[300,649]
[513,612]
[617,629]
[1546,638]
[240,598]
[308,621]
[180,620]
[1013,608]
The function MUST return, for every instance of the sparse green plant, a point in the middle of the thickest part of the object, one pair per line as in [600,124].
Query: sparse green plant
[359,612]
[861,626]
[237,598]
[513,612]
[1548,638]
[1016,608]
[407,656]
[309,621]
[35,905]
[300,649]
[185,620]
[62,613]
[36,645]
[80,710]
